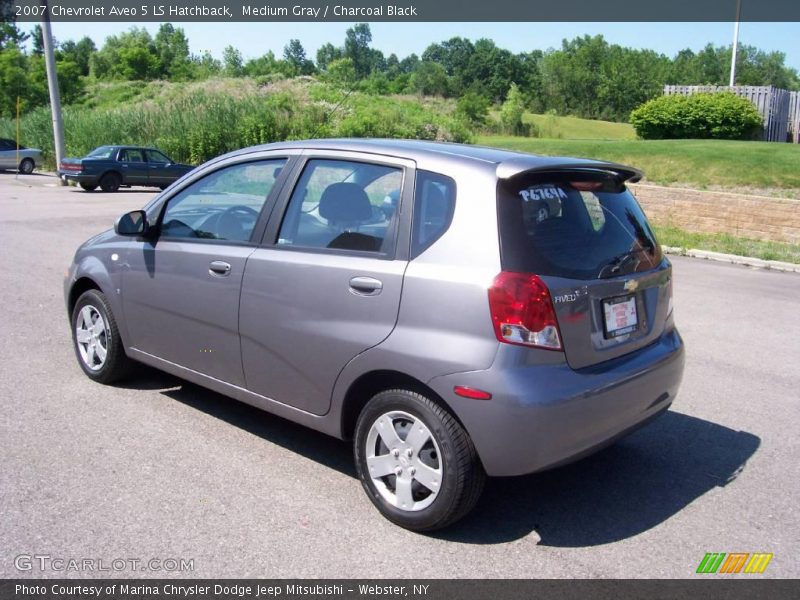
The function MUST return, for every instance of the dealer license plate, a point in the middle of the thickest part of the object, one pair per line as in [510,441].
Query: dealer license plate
[620,316]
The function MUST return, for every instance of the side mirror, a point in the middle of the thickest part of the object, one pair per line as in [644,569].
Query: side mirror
[133,223]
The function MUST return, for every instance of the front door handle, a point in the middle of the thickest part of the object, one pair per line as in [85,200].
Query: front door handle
[365,286]
[219,268]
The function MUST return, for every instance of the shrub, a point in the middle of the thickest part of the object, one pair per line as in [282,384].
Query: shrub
[473,108]
[511,112]
[721,116]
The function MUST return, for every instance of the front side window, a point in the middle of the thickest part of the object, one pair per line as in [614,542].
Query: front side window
[154,156]
[343,205]
[224,205]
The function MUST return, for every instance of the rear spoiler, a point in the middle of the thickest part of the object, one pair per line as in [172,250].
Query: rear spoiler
[509,169]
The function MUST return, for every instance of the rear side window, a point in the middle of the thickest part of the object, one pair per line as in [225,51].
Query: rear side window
[434,202]
[575,225]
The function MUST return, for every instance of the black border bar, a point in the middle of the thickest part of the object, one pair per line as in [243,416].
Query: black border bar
[137,11]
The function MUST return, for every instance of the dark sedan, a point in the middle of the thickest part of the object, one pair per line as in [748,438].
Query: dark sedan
[112,167]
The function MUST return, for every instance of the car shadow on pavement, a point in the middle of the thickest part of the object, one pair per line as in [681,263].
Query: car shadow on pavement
[324,449]
[631,487]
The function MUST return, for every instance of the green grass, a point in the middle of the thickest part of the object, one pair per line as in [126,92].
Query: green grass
[729,244]
[574,128]
[759,167]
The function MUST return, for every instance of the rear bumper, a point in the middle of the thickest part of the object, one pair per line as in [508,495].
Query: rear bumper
[541,416]
[77,177]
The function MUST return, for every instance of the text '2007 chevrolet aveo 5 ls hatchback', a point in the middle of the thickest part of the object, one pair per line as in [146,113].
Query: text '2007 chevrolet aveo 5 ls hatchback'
[456,311]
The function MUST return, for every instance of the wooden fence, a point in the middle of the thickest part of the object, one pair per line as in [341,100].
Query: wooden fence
[779,108]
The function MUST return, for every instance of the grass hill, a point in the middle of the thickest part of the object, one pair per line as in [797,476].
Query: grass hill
[196,121]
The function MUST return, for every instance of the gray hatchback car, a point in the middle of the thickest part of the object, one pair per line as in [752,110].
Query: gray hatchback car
[411,296]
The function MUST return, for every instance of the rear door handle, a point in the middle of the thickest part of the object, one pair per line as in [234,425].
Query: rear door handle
[365,286]
[219,268]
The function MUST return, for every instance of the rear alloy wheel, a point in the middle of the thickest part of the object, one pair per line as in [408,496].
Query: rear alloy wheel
[415,461]
[110,182]
[96,339]
[89,187]
[26,166]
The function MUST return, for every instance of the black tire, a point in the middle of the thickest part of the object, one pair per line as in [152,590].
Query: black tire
[110,182]
[89,187]
[26,166]
[116,364]
[462,475]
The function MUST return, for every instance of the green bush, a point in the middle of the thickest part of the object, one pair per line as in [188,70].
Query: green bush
[722,116]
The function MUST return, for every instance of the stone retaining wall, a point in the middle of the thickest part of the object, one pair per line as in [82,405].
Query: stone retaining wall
[756,217]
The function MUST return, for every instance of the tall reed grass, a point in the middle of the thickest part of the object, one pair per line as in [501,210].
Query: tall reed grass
[198,124]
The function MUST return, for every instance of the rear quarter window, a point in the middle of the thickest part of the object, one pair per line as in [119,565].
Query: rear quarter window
[434,203]
[573,225]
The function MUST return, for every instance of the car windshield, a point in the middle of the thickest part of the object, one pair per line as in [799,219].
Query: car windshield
[102,152]
[577,225]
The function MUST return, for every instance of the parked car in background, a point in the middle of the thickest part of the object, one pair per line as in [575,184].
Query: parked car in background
[410,296]
[25,160]
[113,167]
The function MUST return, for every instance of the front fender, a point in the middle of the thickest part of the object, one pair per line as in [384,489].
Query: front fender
[103,267]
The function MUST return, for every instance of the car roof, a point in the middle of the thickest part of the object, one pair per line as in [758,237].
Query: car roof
[506,163]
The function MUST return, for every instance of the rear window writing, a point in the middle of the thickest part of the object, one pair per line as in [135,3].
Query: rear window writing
[575,225]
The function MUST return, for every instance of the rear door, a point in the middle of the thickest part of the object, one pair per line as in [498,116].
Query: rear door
[586,236]
[325,285]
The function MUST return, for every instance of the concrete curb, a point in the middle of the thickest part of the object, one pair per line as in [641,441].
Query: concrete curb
[749,261]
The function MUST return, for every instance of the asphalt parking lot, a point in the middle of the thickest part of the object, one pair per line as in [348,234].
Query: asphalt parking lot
[157,468]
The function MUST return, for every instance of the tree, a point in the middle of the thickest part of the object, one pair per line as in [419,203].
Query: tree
[326,54]
[79,53]
[10,34]
[172,49]
[356,48]
[130,55]
[13,79]
[430,79]
[38,41]
[295,55]
[232,62]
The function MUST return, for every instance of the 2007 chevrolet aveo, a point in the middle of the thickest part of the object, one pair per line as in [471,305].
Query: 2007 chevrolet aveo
[457,311]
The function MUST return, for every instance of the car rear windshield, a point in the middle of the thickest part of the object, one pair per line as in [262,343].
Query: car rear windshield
[102,152]
[579,225]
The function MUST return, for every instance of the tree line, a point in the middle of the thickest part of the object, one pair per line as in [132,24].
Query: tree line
[587,76]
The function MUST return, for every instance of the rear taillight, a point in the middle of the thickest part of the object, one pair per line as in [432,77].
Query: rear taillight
[70,167]
[522,311]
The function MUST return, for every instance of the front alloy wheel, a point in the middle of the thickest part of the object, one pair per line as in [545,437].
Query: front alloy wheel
[95,337]
[416,462]
[91,337]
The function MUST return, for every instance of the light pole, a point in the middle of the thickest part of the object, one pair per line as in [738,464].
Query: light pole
[52,84]
[735,49]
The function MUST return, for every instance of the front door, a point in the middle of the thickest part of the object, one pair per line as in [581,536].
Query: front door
[160,172]
[133,166]
[325,286]
[181,289]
